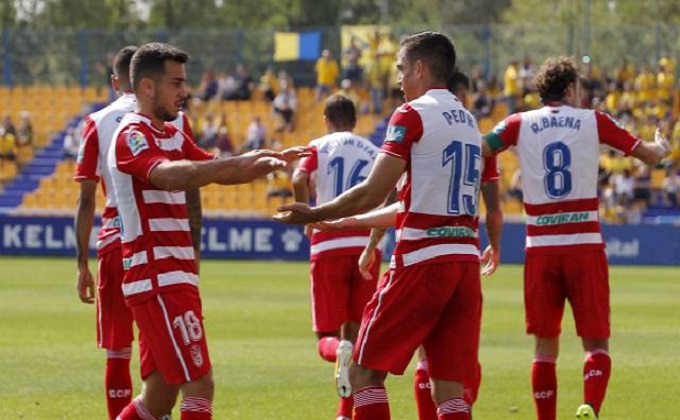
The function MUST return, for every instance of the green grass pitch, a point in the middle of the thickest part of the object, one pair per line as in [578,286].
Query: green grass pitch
[264,353]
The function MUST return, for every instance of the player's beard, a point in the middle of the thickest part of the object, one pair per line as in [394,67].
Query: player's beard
[163,113]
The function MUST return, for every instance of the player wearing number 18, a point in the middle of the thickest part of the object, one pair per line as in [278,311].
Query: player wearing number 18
[152,165]
[558,148]
[431,293]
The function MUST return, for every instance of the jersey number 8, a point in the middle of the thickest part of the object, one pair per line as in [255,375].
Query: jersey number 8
[556,161]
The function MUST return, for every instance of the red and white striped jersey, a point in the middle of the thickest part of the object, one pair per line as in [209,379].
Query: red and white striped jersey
[155,235]
[96,137]
[338,161]
[438,197]
[558,149]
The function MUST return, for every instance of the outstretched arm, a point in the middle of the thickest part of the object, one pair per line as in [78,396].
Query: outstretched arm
[187,174]
[365,196]
[652,153]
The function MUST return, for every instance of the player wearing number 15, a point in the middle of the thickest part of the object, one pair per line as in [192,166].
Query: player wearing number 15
[431,293]
[558,149]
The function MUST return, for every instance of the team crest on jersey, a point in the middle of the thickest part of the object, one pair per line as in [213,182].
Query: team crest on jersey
[196,355]
[137,142]
[395,133]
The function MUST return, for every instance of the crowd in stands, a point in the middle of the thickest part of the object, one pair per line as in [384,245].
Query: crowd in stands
[16,143]
[641,98]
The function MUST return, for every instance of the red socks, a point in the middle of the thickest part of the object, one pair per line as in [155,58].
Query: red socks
[596,371]
[544,386]
[453,409]
[471,389]
[327,347]
[345,408]
[370,403]
[117,381]
[195,408]
[423,392]
[135,411]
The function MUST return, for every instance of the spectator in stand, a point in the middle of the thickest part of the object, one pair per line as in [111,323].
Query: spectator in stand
[327,72]
[483,102]
[612,99]
[209,87]
[24,138]
[244,85]
[665,82]
[284,78]
[352,70]
[645,85]
[25,131]
[256,135]
[671,188]
[8,125]
[625,72]
[269,85]
[284,106]
[279,185]
[7,147]
[526,74]
[376,78]
[347,90]
[642,186]
[623,187]
[227,85]
[476,76]
[208,137]
[628,100]
[224,144]
[511,86]
[71,145]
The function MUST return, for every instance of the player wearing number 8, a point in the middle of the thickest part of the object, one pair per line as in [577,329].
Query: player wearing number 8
[558,150]
[431,293]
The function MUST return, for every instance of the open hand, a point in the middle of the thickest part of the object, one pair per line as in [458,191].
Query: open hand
[490,260]
[294,153]
[295,214]
[272,163]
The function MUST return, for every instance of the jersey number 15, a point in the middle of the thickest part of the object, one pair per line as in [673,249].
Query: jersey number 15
[464,160]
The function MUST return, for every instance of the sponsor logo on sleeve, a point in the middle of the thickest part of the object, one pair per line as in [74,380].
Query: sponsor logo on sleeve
[137,142]
[395,133]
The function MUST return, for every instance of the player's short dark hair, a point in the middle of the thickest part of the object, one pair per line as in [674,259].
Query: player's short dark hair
[149,61]
[121,64]
[434,49]
[457,80]
[554,76]
[340,111]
